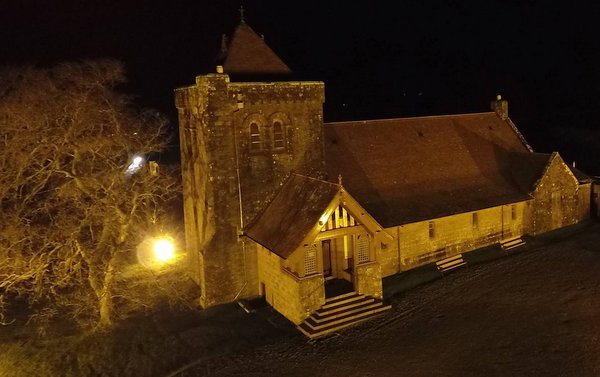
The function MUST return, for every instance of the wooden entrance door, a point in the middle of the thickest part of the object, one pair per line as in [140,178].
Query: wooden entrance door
[326,246]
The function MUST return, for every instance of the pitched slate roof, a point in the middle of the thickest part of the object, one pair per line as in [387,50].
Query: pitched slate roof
[292,214]
[248,53]
[527,169]
[412,169]
[581,176]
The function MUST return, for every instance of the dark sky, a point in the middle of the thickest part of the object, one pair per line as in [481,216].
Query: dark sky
[378,59]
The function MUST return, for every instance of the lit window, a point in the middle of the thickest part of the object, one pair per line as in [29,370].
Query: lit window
[431,229]
[513,212]
[475,220]
[254,137]
[278,136]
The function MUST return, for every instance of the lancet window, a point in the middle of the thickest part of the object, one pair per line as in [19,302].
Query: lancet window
[255,142]
[278,135]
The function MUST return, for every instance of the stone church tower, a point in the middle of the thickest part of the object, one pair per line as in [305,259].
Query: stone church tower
[240,139]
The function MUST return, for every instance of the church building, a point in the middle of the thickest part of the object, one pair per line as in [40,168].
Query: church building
[313,215]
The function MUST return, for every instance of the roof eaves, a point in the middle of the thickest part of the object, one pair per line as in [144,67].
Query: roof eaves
[258,242]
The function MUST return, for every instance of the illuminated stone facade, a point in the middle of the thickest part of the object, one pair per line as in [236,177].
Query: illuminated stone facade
[559,199]
[596,199]
[416,245]
[227,180]
[277,202]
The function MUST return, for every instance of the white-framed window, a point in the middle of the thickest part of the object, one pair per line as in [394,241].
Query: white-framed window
[310,259]
[362,244]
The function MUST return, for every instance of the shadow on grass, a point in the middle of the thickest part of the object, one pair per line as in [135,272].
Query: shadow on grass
[143,345]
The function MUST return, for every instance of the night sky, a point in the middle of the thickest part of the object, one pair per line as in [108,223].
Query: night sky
[378,59]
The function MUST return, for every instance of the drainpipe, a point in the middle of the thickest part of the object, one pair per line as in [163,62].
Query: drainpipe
[399,254]
[240,105]
[502,226]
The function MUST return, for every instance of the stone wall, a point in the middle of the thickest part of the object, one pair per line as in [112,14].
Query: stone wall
[596,198]
[584,201]
[452,235]
[556,198]
[225,183]
[290,295]
[368,279]
[298,106]
[387,253]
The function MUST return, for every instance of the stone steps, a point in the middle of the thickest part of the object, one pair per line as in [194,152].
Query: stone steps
[512,243]
[450,263]
[340,312]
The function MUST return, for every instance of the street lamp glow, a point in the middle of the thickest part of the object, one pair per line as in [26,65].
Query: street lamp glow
[136,164]
[164,250]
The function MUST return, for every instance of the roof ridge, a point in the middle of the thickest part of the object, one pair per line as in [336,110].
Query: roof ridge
[415,117]
[517,132]
[315,179]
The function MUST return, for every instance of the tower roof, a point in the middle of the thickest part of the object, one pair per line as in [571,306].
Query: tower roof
[247,53]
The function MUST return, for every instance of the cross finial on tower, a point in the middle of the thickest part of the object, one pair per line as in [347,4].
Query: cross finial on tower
[242,14]
[340,179]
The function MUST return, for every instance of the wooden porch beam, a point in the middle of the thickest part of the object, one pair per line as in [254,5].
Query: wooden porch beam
[340,232]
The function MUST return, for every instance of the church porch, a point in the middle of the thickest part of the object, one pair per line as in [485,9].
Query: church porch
[307,258]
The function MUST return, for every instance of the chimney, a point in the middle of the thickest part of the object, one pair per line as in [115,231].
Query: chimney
[500,106]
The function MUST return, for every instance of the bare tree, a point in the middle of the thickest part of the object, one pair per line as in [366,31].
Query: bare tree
[71,213]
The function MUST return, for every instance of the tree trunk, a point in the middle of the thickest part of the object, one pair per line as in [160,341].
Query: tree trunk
[105,297]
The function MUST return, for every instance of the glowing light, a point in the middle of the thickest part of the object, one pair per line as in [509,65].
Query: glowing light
[164,250]
[158,253]
[135,165]
[323,219]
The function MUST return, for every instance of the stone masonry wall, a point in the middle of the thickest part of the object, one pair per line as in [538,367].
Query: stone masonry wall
[584,202]
[387,253]
[452,235]
[596,198]
[368,279]
[214,118]
[556,198]
[191,104]
[298,106]
[293,297]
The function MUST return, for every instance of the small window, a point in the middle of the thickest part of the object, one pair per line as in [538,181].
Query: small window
[431,229]
[254,137]
[310,259]
[363,248]
[513,212]
[475,220]
[278,136]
